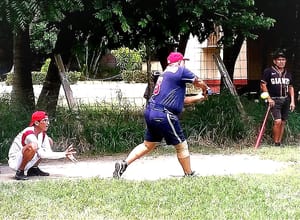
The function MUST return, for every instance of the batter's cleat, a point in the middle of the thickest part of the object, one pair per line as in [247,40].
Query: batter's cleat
[120,168]
[278,144]
[193,173]
[20,175]
[35,171]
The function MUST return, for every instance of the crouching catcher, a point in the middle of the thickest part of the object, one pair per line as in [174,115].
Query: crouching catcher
[32,145]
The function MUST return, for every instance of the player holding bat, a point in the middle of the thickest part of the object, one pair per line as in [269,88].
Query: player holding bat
[161,114]
[32,145]
[278,84]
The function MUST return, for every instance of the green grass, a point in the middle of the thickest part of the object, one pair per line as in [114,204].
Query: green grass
[213,127]
[254,196]
[228,197]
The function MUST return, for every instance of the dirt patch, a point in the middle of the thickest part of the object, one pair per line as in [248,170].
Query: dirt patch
[153,168]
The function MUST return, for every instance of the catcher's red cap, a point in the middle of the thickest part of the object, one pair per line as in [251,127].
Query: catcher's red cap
[175,57]
[38,116]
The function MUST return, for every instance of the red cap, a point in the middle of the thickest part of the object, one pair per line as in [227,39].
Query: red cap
[175,57]
[37,116]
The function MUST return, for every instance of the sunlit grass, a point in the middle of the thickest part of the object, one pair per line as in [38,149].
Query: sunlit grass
[211,197]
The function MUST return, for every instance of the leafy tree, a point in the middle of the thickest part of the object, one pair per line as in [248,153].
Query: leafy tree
[20,15]
[164,25]
[160,25]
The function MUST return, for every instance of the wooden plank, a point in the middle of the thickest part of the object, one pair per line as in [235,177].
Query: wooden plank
[228,82]
[64,81]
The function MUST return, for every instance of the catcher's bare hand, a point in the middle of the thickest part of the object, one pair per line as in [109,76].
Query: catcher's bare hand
[70,153]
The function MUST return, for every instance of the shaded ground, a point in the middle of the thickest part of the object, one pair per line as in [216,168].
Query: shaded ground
[153,168]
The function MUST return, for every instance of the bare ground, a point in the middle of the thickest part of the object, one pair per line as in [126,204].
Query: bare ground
[153,168]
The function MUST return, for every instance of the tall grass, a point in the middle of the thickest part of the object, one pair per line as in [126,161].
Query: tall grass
[217,121]
[12,119]
[105,128]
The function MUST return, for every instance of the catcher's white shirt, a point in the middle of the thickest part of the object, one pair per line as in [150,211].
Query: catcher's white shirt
[25,137]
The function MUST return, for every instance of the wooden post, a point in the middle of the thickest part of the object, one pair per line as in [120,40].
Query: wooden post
[228,83]
[64,81]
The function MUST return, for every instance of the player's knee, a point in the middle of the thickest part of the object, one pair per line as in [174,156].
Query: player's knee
[277,122]
[182,150]
[29,149]
[149,145]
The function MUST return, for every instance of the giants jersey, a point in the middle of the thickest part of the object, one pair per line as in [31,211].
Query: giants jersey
[170,88]
[277,84]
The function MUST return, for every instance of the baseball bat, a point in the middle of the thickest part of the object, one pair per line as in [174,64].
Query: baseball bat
[262,129]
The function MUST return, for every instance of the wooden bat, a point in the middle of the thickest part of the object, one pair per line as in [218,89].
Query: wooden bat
[262,129]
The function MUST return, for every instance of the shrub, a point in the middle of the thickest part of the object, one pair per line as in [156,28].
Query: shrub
[112,128]
[129,62]
[38,78]
[128,59]
[216,120]
[137,76]
[45,67]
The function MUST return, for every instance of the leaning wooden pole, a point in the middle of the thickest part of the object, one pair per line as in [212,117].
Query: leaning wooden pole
[64,81]
[228,83]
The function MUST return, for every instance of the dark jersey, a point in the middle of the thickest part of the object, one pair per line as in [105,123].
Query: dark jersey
[170,88]
[277,84]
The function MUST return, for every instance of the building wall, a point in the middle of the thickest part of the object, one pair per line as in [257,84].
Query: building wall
[202,62]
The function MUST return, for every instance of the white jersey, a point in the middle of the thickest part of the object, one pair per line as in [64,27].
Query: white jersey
[27,136]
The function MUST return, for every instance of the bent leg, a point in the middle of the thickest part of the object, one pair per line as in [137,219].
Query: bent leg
[28,152]
[136,153]
[140,150]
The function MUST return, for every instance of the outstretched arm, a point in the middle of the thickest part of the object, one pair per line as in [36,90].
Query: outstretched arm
[200,84]
[195,98]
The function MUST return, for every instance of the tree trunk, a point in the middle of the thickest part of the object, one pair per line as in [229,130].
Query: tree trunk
[231,53]
[49,95]
[22,90]
[6,49]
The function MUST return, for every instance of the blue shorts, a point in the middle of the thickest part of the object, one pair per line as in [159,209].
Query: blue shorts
[162,124]
[281,108]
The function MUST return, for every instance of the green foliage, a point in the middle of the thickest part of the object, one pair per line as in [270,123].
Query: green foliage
[39,77]
[74,76]
[20,14]
[105,128]
[216,120]
[137,76]
[130,64]
[42,38]
[107,72]
[12,119]
[128,59]
[109,12]
[45,66]
[112,129]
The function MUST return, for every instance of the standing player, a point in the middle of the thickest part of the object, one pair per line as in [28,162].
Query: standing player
[32,145]
[161,114]
[277,81]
